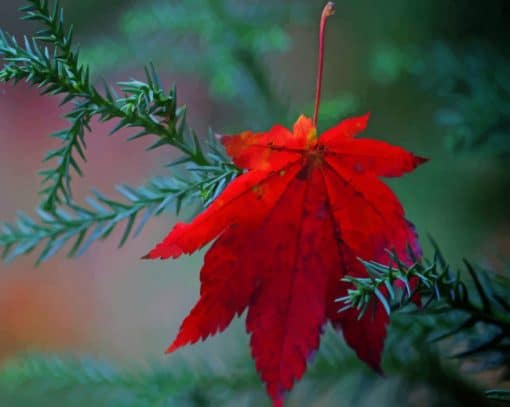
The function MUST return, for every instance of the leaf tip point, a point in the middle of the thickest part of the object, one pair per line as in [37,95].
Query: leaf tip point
[375,366]
[364,120]
[421,160]
[172,348]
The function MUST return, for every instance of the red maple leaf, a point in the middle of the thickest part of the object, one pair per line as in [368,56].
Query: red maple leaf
[285,233]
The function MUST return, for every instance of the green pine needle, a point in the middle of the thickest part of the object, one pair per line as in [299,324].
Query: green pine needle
[82,226]
[48,61]
[481,303]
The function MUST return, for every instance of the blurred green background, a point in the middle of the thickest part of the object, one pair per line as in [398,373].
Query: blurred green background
[435,76]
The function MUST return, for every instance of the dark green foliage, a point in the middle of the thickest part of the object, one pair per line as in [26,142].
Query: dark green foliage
[82,381]
[471,82]
[501,395]
[475,85]
[224,44]
[478,309]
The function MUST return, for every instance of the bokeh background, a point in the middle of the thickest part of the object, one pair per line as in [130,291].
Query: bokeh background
[435,76]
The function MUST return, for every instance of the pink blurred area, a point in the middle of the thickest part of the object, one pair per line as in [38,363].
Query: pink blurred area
[107,303]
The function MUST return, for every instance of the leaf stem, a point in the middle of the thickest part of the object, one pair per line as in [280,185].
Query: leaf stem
[329,10]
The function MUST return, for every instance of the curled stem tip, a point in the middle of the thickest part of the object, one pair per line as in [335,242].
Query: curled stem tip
[329,9]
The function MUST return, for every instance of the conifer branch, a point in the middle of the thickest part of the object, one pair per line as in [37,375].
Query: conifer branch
[47,374]
[53,229]
[40,376]
[145,105]
[482,301]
